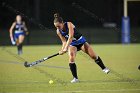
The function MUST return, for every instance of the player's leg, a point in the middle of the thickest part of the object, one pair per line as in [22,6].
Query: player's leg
[19,44]
[88,49]
[72,54]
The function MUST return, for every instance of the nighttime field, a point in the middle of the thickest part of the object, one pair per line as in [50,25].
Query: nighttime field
[123,61]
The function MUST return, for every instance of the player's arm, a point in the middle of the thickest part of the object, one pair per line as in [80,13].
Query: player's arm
[63,40]
[25,28]
[11,33]
[71,33]
[11,30]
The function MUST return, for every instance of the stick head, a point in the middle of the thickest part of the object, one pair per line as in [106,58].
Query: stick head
[26,64]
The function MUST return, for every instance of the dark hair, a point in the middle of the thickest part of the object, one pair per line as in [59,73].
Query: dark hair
[57,18]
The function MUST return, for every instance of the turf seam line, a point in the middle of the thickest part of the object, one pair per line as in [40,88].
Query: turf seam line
[12,62]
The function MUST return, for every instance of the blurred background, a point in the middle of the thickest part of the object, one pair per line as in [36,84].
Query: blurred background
[99,21]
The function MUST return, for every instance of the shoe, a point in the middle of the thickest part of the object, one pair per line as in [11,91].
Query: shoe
[106,70]
[74,80]
[19,52]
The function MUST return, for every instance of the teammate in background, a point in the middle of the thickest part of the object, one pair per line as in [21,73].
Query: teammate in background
[73,41]
[17,37]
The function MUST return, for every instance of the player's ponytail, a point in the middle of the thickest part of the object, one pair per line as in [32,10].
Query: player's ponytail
[57,18]
[56,15]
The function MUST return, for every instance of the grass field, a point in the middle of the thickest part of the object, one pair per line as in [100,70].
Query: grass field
[123,60]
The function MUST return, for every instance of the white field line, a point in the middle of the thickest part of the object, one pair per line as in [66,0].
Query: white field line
[111,90]
[89,91]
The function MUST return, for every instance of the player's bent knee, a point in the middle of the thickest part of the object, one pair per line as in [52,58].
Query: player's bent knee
[19,43]
[71,54]
[71,58]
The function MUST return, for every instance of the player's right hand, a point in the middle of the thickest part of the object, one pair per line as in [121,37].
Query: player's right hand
[62,52]
[12,41]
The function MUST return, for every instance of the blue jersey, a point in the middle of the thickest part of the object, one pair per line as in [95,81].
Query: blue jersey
[77,37]
[19,30]
[19,27]
[65,32]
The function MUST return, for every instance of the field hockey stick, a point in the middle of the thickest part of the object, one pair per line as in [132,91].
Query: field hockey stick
[13,41]
[26,64]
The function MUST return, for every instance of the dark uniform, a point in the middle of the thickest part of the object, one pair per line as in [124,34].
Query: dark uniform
[78,39]
[19,30]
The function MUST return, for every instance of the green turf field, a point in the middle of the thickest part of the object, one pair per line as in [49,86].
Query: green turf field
[123,60]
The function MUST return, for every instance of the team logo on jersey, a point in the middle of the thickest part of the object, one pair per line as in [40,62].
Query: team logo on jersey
[19,27]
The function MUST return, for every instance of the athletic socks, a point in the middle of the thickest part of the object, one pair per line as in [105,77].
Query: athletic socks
[100,62]
[19,47]
[73,69]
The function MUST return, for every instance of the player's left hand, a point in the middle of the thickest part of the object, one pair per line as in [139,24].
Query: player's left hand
[65,50]
[62,51]
[27,33]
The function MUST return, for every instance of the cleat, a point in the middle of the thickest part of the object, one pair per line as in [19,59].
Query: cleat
[74,80]
[19,52]
[106,70]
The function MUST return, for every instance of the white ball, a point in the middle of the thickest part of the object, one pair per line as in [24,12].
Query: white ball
[51,81]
